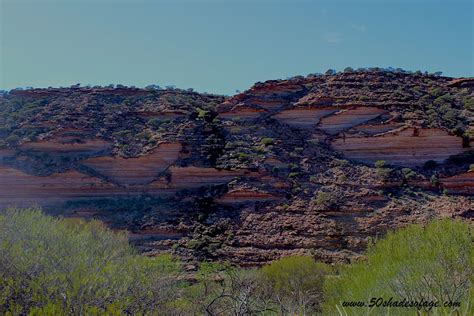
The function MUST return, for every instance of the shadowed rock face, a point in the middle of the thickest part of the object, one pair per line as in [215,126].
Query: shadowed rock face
[287,167]
[67,145]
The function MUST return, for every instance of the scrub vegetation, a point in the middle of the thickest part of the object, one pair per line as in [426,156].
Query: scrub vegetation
[64,266]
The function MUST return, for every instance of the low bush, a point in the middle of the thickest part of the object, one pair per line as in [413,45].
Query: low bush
[267,141]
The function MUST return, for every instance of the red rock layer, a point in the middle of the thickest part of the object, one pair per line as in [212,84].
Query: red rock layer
[20,189]
[304,117]
[245,196]
[139,170]
[193,177]
[67,144]
[462,183]
[346,119]
[242,112]
[409,147]
[373,129]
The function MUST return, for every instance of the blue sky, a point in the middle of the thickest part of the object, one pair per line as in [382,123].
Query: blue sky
[223,46]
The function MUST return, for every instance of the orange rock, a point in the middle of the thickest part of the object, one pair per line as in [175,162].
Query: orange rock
[409,147]
[304,117]
[139,170]
[348,118]
[68,144]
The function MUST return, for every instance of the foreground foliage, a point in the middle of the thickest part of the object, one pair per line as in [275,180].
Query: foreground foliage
[68,266]
[51,266]
[431,264]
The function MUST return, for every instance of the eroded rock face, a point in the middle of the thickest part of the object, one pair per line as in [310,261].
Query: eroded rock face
[286,167]
[374,129]
[68,145]
[194,177]
[20,189]
[140,170]
[347,118]
[245,113]
[304,117]
[408,147]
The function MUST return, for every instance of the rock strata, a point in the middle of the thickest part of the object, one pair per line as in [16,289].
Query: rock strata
[287,167]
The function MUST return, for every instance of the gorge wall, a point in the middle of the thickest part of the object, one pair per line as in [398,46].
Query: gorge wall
[317,164]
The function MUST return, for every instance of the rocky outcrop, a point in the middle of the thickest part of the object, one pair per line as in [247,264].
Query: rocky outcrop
[407,147]
[462,82]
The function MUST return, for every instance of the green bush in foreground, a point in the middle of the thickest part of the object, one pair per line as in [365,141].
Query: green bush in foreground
[51,266]
[432,263]
[67,266]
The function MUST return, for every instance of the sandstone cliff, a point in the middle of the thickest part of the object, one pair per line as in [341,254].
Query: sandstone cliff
[316,164]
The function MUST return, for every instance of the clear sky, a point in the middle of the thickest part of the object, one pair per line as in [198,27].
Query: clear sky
[223,46]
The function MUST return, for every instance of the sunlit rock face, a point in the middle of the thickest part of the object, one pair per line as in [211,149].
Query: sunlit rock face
[140,170]
[304,117]
[408,147]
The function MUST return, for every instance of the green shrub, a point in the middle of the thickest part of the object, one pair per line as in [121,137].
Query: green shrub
[156,122]
[221,289]
[379,164]
[408,174]
[434,180]
[432,263]
[322,198]
[243,156]
[468,103]
[202,113]
[381,171]
[296,284]
[267,141]
[77,267]
[293,167]
[328,200]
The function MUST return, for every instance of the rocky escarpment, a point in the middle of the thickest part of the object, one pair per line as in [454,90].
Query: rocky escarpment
[316,164]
